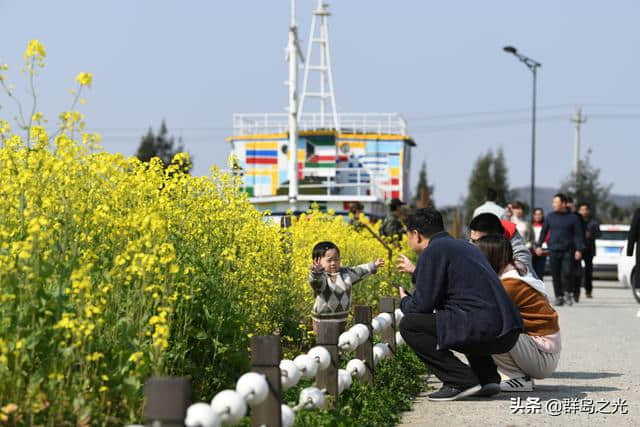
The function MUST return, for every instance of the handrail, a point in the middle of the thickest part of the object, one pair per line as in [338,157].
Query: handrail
[268,123]
[262,388]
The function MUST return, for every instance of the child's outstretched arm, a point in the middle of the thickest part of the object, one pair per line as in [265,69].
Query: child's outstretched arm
[316,275]
[360,272]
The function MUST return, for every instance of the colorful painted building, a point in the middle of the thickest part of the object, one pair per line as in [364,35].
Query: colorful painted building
[334,168]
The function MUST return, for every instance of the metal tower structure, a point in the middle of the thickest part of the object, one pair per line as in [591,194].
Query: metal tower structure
[292,160]
[324,92]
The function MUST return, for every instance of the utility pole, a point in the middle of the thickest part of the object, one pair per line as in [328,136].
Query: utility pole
[578,120]
[293,53]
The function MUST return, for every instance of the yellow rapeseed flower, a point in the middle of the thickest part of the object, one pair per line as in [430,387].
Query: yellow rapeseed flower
[35,49]
[135,357]
[84,79]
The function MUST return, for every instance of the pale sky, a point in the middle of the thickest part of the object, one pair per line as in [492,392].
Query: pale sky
[440,64]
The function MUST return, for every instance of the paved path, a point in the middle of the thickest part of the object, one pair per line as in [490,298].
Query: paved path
[600,361]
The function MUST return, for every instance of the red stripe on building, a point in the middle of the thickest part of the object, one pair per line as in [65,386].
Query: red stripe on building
[315,158]
[262,160]
[395,181]
[395,194]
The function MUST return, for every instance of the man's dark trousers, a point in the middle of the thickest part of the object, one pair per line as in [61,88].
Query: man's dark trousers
[562,272]
[419,332]
[588,273]
[578,274]
[637,268]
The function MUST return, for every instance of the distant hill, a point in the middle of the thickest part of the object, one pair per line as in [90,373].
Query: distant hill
[545,194]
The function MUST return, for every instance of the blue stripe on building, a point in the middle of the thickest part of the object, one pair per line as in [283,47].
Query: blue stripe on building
[384,147]
[265,153]
[257,180]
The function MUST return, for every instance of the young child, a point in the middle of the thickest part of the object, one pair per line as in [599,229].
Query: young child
[332,284]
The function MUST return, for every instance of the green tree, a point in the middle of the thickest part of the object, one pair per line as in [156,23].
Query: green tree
[424,192]
[500,180]
[481,178]
[162,146]
[587,188]
[489,171]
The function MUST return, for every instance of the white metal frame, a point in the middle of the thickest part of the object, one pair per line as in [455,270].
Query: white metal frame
[269,123]
[325,93]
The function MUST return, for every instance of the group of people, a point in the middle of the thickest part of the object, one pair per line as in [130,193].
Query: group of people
[480,297]
[566,237]
[484,297]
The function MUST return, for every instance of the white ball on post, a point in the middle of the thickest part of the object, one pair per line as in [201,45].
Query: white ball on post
[289,374]
[253,387]
[230,406]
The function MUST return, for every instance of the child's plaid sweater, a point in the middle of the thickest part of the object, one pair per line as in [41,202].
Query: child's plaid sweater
[333,294]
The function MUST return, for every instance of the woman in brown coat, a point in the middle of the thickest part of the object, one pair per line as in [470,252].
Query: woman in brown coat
[537,350]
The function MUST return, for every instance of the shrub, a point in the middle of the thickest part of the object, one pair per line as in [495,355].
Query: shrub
[113,270]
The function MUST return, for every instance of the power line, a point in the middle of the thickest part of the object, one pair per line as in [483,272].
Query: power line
[484,124]
[216,132]
[485,113]
[516,111]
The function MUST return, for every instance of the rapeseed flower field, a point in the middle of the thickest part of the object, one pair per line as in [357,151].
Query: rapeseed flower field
[113,270]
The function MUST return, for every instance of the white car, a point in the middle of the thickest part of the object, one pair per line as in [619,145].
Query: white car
[609,249]
[627,271]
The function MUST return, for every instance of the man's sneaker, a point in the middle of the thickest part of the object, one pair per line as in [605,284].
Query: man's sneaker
[517,384]
[568,299]
[559,302]
[576,298]
[589,295]
[488,390]
[448,392]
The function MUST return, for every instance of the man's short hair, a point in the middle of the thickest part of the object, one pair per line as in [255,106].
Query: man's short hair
[584,204]
[487,223]
[517,205]
[395,204]
[426,221]
[492,195]
[563,197]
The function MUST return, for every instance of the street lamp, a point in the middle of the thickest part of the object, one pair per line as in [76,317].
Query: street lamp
[533,66]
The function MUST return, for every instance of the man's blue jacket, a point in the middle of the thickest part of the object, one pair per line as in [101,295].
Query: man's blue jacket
[454,278]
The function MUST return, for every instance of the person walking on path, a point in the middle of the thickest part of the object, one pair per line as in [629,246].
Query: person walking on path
[539,262]
[578,272]
[490,206]
[633,241]
[392,226]
[517,217]
[537,352]
[458,304]
[591,233]
[566,245]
